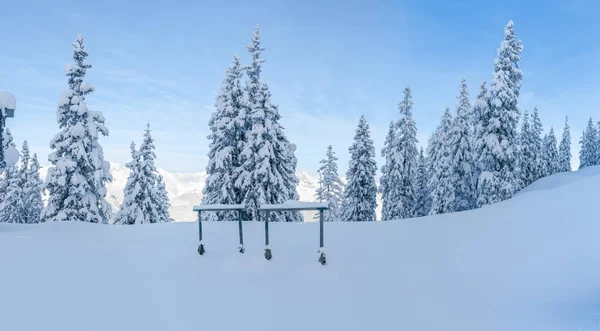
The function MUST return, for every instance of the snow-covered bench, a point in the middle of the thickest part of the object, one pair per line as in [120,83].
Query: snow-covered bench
[293,205]
[214,208]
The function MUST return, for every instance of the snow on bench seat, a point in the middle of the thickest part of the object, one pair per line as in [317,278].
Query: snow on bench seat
[218,207]
[7,101]
[295,205]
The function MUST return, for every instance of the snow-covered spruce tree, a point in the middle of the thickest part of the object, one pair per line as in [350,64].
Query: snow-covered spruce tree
[226,140]
[499,179]
[597,160]
[386,169]
[443,190]
[401,156]
[134,199]
[148,180]
[589,142]
[564,149]
[163,203]
[331,188]
[537,130]
[32,192]
[268,162]
[423,195]
[76,180]
[527,163]
[360,194]
[461,154]
[550,154]
[480,117]
[11,206]
[267,171]
[7,142]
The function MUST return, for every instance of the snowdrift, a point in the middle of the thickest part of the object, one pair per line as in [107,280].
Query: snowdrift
[530,263]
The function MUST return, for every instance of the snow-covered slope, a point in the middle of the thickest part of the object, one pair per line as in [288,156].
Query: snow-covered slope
[530,263]
[185,189]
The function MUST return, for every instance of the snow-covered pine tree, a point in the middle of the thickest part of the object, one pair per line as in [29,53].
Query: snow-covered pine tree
[386,169]
[360,194]
[331,188]
[550,154]
[7,142]
[597,160]
[500,178]
[480,119]
[589,142]
[443,190]
[163,203]
[537,142]
[461,154]
[527,163]
[76,180]
[564,150]
[134,198]
[423,195]
[268,165]
[12,204]
[12,207]
[226,140]
[401,156]
[21,214]
[267,171]
[148,179]
[32,192]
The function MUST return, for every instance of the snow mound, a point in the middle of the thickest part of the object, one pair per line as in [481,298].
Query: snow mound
[560,179]
[529,263]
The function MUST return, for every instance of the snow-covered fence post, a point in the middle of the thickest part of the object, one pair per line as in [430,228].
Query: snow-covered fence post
[293,205]
[215,208]
[239,213]
[268,254]
[201,246]
[321,251]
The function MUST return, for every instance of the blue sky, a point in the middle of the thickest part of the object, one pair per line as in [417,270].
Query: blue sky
[326,63]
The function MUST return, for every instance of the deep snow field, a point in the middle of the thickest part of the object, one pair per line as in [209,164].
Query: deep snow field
[530,263]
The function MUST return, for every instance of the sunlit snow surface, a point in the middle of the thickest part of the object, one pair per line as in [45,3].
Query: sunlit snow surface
[530,263]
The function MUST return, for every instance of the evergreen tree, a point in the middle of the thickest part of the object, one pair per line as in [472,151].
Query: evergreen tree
[550,154]
[588,151]
[385,181]
[527,162]
[7,142]
[149,178]
[267,172]
[564,150]
[536,140]
[76,180]
[597,150]
[32,192]
[499,179]
[12,208]
[443,190]
[226,140]
[423,197]
[163,203]
[134,198]
[401,154]
[12,204]
[331,188]
[360,194]
[461,154]
[480,119]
